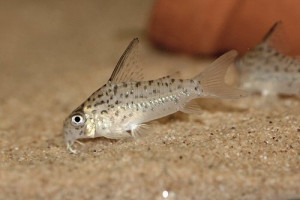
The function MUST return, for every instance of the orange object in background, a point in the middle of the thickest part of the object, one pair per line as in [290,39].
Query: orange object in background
[210,27]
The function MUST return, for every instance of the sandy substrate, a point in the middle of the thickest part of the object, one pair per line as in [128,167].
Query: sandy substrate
[54,55]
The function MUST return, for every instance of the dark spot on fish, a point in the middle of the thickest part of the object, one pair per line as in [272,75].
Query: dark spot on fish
[131,92]
[260,48]
[89,106]
[181,80]
[94,99]
[276,53]
[158,83]
[150,82]
[89,99]
[179,87]
[196,88]
[299,70]
[112,106]
[121,95]
[100,95]
[172,80]
[185,92]
[115,89]
[107,101]
[99,103]
[176,100]
[126,95]
[111,97]
[166,84]
[106,93]
[154,91]
[137,84]
[124,84]
[117,102]
[109,90]
[117,113]
[145,87]
[81,133]
[103,111]
[191,81]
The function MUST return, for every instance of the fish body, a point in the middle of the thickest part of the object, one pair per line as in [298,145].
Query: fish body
[264,69]
[120,108]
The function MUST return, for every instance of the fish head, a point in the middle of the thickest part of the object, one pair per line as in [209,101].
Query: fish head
[78,125]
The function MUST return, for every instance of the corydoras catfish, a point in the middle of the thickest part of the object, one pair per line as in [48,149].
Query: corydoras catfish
[266,70]
[120,108]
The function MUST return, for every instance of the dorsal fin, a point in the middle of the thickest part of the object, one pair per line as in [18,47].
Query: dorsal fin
[275,38]
[127,68]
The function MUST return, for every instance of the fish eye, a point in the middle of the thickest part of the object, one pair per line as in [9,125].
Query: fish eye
[77,120]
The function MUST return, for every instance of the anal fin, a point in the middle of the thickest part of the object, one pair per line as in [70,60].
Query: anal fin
[192,107]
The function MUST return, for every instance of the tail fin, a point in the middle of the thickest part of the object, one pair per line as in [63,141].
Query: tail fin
[212,78]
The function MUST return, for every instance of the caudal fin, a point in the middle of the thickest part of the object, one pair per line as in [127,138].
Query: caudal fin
[212,78]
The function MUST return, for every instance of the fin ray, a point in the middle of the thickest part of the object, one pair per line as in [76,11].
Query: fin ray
[139,130]
[192,107]
[127,68]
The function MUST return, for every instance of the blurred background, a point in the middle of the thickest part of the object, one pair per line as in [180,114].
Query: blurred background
[66,45]
[210,27]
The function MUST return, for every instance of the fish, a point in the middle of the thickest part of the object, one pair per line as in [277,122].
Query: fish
[265,69]
[121,107]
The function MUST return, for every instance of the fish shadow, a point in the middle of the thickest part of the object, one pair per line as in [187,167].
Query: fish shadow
[102,140]
[217,105]
[178,116]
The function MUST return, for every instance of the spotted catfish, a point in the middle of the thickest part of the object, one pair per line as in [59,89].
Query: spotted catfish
[120,108]
[264,69]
